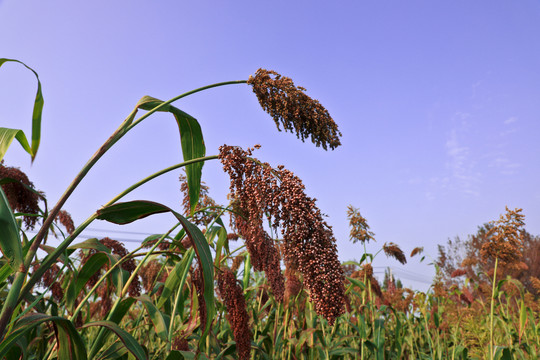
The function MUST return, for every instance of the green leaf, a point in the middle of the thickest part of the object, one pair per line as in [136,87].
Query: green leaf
[155,316]
[343,351]
[247,272]
[90,267]
[356,282]
[192,142]
[70,344]
[6,138]
[91,244]
[113,352]
[36,118]
[123,213]
[9,234]
[5,271]
[129,341]
[127,212]
[222,240]
[177,277]
[502,353]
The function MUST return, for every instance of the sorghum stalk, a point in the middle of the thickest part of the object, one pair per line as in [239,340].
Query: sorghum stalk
[491,310]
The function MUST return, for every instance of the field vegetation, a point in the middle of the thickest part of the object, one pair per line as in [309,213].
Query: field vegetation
[257,278]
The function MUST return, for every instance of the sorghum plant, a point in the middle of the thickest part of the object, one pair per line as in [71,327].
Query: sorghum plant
[85,297]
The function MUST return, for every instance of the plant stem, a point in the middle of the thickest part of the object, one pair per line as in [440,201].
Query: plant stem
[165,103]
[491,347]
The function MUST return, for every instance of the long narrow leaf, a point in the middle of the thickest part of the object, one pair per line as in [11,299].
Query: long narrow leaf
[192,142]
[6,138]
[70,344]
[36,115]
[124,213]
[9,234]
[129,341]
[155,316]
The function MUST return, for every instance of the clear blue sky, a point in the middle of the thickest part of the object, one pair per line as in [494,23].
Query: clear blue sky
[437,102]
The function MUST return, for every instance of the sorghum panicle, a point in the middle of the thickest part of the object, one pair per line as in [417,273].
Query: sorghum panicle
[359,228]
[258,191]
[65,219]
[297,112]
[505,238]
[20,197]
[392,250]
[199,286]
[129,265]
[237,315]
[416,251]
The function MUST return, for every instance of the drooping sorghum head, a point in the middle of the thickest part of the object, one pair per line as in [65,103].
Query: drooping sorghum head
[308,245]
[264,254]
[19,194]
[65,219]
[416,251]
[198,281]
[237,315]
[296,111]
[293,286]
[392,250]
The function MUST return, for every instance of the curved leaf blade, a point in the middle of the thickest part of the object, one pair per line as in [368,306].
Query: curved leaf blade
[129,341]
[192,142]
[6,138]
[123,213]
[10,243]
[155,316]
[36,113]
[70,343]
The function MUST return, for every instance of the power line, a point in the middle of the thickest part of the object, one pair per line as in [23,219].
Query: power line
[119,231]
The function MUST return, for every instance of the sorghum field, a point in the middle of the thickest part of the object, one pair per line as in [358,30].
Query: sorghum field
[257,278]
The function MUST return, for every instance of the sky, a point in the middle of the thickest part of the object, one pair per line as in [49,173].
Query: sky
[437,102]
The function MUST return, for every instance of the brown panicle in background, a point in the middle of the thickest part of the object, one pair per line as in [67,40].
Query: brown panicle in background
[237,315]
[18,193]
[359,228]
[237,261]
[149,274]
[392,250]
[51,278]
[65,219]
[264,254]
[117,248]
[205,201]
[296,111]
[458,272]
[293,286]
[365,274]
[199,286]
[504,240]
[417,251]
[309,245]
